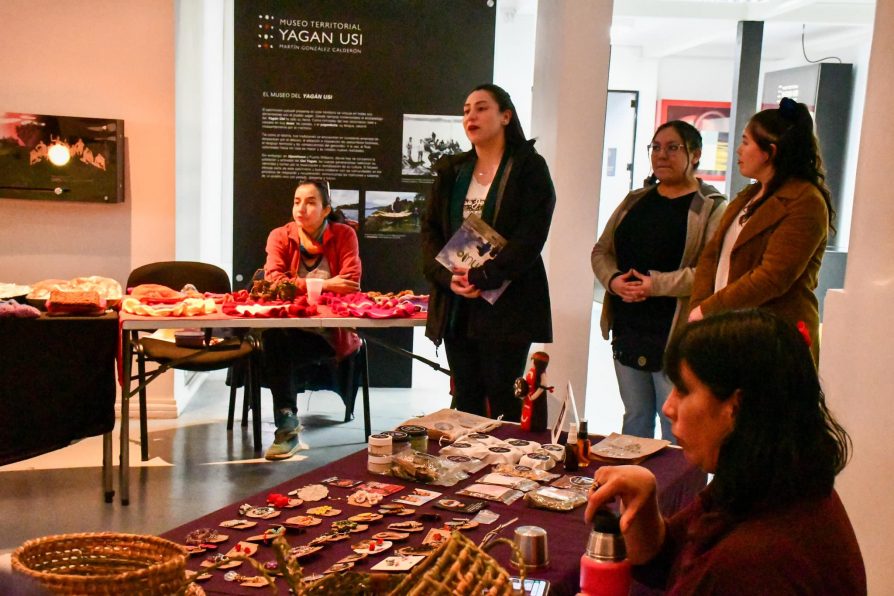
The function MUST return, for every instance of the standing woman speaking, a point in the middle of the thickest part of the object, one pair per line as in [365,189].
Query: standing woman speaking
[769,247]
[506,182]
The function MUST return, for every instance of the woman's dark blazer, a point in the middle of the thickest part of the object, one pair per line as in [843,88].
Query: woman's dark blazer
[526,199]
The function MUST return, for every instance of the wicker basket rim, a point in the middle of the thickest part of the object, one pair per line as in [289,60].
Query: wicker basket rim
[175,552]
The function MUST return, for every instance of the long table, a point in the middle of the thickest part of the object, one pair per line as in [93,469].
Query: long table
[57,383]
[129,322]
[678,483]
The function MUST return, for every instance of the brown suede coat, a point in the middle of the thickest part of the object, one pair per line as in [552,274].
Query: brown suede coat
[776,260]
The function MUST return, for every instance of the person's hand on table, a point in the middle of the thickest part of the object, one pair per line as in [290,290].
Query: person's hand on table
[340,285]
[459,284]
[641,522]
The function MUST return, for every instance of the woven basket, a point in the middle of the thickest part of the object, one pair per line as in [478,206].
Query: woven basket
[459,567]
[103,564]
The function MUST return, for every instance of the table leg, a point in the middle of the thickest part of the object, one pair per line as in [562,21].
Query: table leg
[108,491]
[253,383]
[364,376]
[124,455]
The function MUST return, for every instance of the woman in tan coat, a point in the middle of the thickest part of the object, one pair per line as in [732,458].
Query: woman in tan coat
[769,246]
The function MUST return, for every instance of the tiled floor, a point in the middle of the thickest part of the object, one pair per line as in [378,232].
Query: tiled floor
[197,466]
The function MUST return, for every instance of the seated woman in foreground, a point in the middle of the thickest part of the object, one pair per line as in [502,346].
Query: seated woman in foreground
[747,407]
[313,245]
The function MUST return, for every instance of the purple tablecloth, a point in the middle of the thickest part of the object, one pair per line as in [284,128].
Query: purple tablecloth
[678,483]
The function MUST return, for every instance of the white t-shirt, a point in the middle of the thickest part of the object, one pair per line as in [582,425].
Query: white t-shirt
[721,278]
[475,198]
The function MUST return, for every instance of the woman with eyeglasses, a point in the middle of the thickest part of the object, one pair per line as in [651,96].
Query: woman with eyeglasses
[769,247]
[314,244]
[503,180]
[645,259]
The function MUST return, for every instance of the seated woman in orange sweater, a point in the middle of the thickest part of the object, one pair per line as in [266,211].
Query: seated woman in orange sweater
[315,244]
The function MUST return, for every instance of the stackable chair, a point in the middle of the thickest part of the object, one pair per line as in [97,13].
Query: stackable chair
[238,351]
[345,377]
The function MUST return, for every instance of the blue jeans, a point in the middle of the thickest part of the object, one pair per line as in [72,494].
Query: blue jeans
[643,394]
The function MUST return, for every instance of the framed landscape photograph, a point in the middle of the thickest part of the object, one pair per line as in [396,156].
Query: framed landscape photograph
[61,158]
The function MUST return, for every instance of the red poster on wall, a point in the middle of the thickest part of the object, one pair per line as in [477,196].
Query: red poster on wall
[711,118]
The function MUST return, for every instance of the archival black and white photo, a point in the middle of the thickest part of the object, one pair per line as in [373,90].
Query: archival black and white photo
[349,203]
[392,212]
[428,138]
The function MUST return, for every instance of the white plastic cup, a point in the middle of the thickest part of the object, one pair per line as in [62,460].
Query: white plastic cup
[314,288]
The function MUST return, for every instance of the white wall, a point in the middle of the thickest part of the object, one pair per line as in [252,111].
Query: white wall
[514,54]
[204,132]
[99,58]
[855,359]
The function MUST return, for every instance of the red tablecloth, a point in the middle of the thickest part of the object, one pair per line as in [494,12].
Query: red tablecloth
[678,483]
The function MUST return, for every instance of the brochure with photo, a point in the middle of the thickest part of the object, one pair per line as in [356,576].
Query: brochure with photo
[474,244]
[626,449]
[381,488]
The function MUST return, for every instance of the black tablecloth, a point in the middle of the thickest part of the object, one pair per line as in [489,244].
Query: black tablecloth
[57,382]
[678,483]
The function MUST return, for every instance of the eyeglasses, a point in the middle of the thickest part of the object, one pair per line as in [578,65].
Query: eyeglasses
[669,149]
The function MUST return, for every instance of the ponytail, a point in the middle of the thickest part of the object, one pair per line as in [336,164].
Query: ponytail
[796,154]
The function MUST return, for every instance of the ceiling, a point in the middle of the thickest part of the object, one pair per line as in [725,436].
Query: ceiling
[707,28]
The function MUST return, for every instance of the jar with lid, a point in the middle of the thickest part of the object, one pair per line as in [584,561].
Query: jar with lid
[379,454]
[400,441]
[418,436]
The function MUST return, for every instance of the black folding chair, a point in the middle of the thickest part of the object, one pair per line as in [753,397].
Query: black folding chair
[241,351]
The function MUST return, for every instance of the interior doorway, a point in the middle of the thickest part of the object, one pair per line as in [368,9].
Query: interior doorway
[618,151]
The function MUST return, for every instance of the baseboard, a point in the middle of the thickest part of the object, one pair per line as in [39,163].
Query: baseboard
[167,405]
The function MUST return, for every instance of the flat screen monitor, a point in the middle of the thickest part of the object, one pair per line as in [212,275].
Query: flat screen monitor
[61,158]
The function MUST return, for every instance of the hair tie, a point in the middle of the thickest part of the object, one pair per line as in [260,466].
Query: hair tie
[802,326]
[788,108]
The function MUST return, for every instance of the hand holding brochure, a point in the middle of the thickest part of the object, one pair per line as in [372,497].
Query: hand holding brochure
[473,244]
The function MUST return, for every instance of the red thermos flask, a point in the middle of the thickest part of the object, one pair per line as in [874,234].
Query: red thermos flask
[604,569]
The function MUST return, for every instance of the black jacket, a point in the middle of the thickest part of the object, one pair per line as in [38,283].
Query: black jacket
[522,313]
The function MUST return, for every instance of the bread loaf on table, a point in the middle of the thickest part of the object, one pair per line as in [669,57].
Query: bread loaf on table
[75,301]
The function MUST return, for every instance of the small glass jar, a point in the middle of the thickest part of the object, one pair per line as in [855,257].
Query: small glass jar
[379,444]
[418,436]
[378,464]
[400,441]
